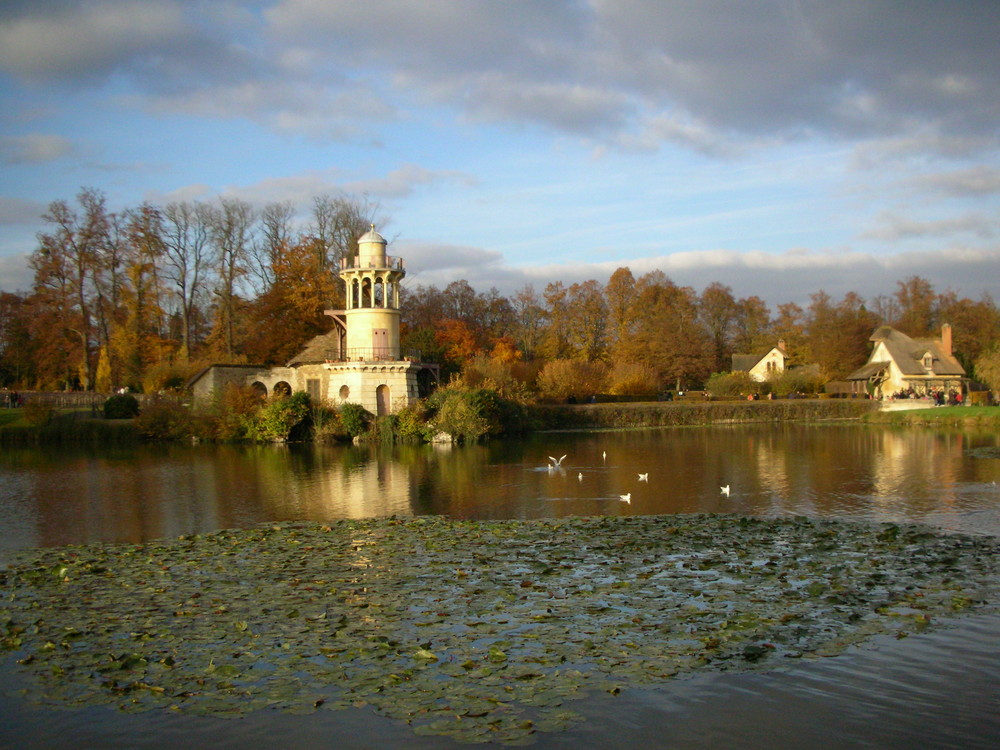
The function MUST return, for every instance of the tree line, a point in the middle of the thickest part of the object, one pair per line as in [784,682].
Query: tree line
[146,297]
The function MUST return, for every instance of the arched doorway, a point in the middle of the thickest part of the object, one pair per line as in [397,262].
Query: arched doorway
[345,393]
[282,389]
[259,389]
[382,406]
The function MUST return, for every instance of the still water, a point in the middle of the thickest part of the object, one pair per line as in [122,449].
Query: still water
[934,690]
[947,479]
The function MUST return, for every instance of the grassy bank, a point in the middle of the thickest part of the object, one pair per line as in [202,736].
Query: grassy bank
[659,414]
[941,416]
[64,427]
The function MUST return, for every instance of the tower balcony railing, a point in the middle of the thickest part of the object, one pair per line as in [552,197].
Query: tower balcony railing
[391,262]
[374,354]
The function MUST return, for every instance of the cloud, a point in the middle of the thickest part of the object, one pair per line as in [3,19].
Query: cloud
[975,181]
[634,74]
[777,278]
[289,107]
[401,182]
[894,228]
[15,275]
[431,259]
[73,41]
[19,211]
[34,148]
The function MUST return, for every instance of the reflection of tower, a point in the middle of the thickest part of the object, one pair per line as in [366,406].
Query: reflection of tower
[373,371]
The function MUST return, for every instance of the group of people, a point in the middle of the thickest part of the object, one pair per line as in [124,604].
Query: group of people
[951,398]
[10,399]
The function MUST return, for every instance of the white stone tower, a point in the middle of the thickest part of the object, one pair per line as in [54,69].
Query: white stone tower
[372,370]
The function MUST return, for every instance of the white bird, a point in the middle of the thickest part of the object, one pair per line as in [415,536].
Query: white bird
[557,462]
[725,490]
[604,455]
[644,477]
[626,498]
[580,476]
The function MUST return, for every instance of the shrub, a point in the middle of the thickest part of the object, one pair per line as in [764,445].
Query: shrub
[121,406]
[470,414]
[326,424]
[732,384]
[231,416]
[38,412]
[799,380]
[280,417]
[355,418]
[633,379]
[165,376]
[564,379]
[164,419]
[411,423]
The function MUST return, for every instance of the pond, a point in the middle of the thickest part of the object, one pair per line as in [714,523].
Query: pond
[937,687]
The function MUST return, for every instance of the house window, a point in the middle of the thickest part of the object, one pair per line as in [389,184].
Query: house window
[928,361]
[312,388]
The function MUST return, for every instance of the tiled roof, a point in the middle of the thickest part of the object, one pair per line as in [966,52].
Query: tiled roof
[908,354]
[318,349]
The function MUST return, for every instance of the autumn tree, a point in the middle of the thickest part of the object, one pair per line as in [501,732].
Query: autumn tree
[529,319]
[975,325]
[294,304]
[837,334]
[668,336]
[136,342]
[66,263]
[16,365]
[752,329]
[186,254]
[585,312]
[620,295]
[717,311]
[987,368]
[336,225]
[231,234]
[789,325]
[915,297]
[554,342]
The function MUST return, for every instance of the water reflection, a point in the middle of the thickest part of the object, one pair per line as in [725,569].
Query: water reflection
[943,478]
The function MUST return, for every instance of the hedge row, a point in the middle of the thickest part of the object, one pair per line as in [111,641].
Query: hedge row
[548,417]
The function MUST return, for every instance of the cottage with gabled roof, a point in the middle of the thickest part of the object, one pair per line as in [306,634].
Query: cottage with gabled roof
[764,365]
[900,364]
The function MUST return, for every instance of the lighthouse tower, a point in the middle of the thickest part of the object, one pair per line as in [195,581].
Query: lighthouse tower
[372,370]
[372,311]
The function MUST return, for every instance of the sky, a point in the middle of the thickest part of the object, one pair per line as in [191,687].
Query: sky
[777,147]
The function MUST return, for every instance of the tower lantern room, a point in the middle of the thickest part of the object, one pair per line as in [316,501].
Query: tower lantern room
[372,281]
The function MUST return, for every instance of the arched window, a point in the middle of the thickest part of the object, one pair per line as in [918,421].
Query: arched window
[259,389]
[382,400]
[345,393]
[282,389]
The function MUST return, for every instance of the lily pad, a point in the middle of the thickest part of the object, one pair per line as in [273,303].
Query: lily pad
[482,631]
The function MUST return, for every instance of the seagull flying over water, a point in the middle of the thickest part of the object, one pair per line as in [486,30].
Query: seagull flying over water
[644,477]
[725,490]
[626,498]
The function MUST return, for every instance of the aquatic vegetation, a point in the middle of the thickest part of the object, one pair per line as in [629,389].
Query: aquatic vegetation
[484,631]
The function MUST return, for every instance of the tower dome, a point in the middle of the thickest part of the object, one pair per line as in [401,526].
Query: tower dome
[371,236]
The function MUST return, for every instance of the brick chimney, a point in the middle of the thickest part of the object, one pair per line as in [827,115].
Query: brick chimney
[946,339]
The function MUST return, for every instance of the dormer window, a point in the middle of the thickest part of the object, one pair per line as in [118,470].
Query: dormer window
[928,361]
